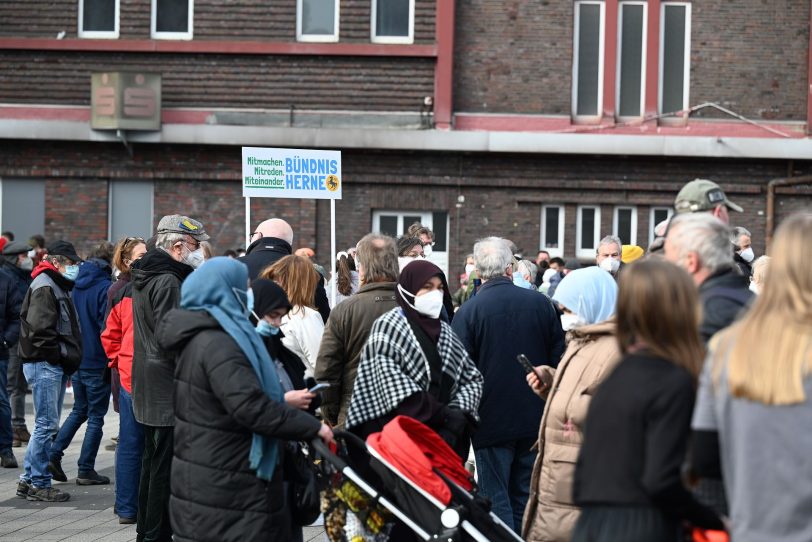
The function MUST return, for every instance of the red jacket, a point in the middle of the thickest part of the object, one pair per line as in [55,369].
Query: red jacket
[117,337]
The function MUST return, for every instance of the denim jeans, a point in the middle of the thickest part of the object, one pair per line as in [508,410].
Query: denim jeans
[153,494]
[504,474]
[91,397]
[128,457]
[16,388]
[48,386]
[5,410]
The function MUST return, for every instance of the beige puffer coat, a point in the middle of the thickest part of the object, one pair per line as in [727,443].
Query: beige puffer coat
[591,354]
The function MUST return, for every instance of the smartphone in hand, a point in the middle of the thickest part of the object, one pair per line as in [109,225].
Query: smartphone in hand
[318,387]
[525,363]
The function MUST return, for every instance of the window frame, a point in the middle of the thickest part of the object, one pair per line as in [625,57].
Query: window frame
[643,58]
[601,62]
[559,252]
[153,20]
[587,253]
[686,80]
[615,220]
[651,222]
[374,38]
[317,38]
[98,34]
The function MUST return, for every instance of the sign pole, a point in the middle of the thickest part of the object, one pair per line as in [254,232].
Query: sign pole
[247,221]
[333,252]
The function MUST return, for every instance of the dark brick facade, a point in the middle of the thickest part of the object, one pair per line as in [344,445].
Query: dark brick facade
[76,211]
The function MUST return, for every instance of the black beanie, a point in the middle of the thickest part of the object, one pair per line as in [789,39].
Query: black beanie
[268,296]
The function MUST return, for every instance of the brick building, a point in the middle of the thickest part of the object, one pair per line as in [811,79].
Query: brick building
[551,123]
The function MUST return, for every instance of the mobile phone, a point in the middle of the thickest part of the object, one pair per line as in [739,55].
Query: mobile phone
[318,387]
[525,363]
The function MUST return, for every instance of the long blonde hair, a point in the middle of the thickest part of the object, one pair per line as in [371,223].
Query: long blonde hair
[771,347]
[297,276]
[658,309]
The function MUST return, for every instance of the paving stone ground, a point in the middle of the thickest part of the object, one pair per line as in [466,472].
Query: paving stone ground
[88,515]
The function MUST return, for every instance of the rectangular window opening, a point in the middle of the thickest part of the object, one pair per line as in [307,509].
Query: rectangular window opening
[98,18]
[656,216]
[587,231]
[392,21]
[675,49]
[631,69]
[625,225]
[552,229]
[317,20]
[587,77]
[172,19]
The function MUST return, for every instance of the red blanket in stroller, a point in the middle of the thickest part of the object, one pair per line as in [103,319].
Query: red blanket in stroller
[416,450]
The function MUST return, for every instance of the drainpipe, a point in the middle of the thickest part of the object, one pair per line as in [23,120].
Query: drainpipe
[771,186]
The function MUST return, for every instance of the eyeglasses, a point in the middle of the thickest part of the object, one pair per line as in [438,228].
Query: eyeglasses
[256,233]
[131,239]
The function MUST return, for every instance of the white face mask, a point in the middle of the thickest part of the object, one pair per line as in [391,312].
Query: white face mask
[194,258]
[747,254]
[569,321]
[427,251]
[610,265]
[754,288]
[32,253]
[469,268]
[26,264]
[429,304]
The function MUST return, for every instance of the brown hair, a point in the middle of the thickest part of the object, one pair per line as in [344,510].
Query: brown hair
[771,350]
[658,311]
[296,275]
[344,268]
[124,251]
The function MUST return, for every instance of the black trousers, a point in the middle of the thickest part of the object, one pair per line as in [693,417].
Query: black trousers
[16,388]
[153,492]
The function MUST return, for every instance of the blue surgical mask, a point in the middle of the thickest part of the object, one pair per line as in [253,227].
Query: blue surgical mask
[265,329]
[71,272]
[250,295]
[249,300]
[520,281]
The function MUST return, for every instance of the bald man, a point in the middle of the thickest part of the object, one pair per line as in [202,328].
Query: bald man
[271,242]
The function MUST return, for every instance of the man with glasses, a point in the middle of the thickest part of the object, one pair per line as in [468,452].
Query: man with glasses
[156,279]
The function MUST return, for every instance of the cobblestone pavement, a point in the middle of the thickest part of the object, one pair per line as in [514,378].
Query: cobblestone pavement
[88,515]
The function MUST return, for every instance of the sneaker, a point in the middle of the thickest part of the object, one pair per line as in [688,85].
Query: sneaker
[8,461]
[91,478]
[55,468]
[126,521]
[23,489]
[47,494]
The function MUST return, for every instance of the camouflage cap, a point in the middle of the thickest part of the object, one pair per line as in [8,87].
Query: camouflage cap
[182,224]
[702,195]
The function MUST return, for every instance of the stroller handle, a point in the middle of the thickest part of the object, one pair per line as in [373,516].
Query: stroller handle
[324,451]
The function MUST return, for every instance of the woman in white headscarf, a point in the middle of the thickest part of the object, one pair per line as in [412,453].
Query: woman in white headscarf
[587,298]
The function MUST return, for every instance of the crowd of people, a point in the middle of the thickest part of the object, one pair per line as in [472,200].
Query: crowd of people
[661,392]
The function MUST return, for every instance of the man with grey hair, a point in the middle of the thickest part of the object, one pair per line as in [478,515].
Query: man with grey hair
[349,324]
[743,250]
[156,280]
[700,244]
[610,249]
[496,325]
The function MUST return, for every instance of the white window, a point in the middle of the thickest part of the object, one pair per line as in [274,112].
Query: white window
[172,19]
[552,229]
[392,21]
[129,212]
[631,54]
[587,61]
[317,20]
[396,223]
[657,215]
[624,224]
[675,56]
[98,18]
[588,231]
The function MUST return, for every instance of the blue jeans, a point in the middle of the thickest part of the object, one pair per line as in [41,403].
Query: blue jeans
[91,397]
[504,474]
[5,410]
[48,387]
[128,457]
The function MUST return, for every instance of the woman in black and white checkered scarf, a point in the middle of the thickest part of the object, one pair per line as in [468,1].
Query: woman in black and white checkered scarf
[413,364]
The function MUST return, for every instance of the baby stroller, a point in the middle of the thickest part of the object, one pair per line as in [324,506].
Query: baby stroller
[406,475]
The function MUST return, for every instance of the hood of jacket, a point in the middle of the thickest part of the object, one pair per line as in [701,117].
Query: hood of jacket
[593,331]
[155,263]
[48,268]
[179,326]
[93,272]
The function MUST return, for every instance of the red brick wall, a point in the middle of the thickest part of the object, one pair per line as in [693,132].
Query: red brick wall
[76,211]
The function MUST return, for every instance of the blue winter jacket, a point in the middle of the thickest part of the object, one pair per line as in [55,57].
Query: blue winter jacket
[90,299]
[498,323]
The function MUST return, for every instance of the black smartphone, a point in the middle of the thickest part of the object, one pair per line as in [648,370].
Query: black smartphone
[525,363]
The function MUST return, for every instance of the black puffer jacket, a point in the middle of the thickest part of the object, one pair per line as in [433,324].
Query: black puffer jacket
[219,404]
[10,302]
[156,280]
[724,296]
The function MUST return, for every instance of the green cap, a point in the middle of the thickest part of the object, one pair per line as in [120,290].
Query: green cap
[702,195]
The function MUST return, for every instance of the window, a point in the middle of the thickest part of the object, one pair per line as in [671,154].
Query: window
[587,66]
[317,20]
[657,215]
[396,223]
[624,225]
[675,56]
[98,18]
[129,213]
[552,229]
[588,231]
[22,204]
[172,19]
[392,21]
[631,54]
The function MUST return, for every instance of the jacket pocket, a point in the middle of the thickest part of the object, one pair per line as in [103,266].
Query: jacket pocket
[562,472]
[63,326]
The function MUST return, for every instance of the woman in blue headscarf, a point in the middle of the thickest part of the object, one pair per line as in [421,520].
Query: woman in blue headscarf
[230,414]
[587,298]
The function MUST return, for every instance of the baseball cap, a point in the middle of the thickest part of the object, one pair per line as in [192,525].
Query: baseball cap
[63,248]
[182,224]
[702,195]
[15,247]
